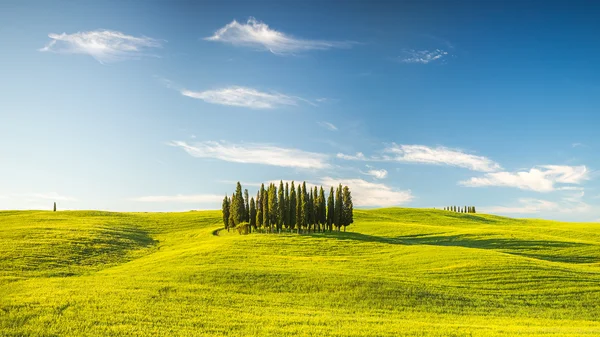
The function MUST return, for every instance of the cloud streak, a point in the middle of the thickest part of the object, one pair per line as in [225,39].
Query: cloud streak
[440,156]
[244,97]
[540,179]
[377,174]
[328,126]
[258,35]
[422,56]
[103,45]
[252,153]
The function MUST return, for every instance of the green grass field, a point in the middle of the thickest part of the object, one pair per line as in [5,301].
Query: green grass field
[397,272]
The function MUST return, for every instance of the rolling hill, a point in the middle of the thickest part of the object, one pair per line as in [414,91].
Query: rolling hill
[397,272]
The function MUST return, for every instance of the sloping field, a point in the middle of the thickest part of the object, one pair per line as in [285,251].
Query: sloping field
[398,272]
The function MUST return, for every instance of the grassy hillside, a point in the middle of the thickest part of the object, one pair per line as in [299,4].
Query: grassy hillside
[399,272]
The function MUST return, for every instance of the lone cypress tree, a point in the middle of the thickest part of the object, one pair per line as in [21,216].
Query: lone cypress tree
[54,206]
[347,208]
[292,206]
[252,214]
[225,211]
[330,210]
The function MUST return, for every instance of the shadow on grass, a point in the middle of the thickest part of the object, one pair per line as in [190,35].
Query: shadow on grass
[556,251]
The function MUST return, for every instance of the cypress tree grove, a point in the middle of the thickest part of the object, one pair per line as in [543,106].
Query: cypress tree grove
[226,212]
[281,205]
[292,206]
[347,208]
[330,210]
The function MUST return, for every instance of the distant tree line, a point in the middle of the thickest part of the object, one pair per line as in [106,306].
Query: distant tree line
[466,209]
[290,208]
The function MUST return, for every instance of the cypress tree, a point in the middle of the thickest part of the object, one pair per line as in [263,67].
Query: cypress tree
[225,211]
[330,210]
[259,213]
[337,215]
[299,213]
[265,203]
[310,210]
[231,223]
[347,208]
[474,209]
[252,213]
[304,206]
[322,208]
[281,204]
[239,209]
[292,206]
[273,209]
[54,206]
[286,198]
[246,206]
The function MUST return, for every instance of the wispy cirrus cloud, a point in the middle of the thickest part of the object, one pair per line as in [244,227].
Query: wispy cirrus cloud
[542,178]
[181,198]
[430,155]
[244,97]
[259,35]
[103,45]
[368,194]
[252,153]
[327,126]
[422,56]
[441,156]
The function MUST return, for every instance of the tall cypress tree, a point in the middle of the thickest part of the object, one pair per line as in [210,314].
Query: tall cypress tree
[330,210]
[322,208]
[265,203]
[231,223]
[273,209]
[281,207]
[259,213]
[347,208]
[292,206]
[337,215]
[310,211]
[304,206]
[252,214]
[299,213]
[239,209]
[226,212]
[246,206]
[474,210]
[286,201]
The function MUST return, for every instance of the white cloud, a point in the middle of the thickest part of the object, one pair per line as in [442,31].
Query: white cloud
[255,154]
[244,97]
[328,126]
[568,204]
[357,156]
[256,34]
[422,56]
[540,179]
[370,194]
[441,156]
[179,198]
[377,174]
[577,145]
[103,45]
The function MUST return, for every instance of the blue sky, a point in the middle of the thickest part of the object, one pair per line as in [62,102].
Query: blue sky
[162,106]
